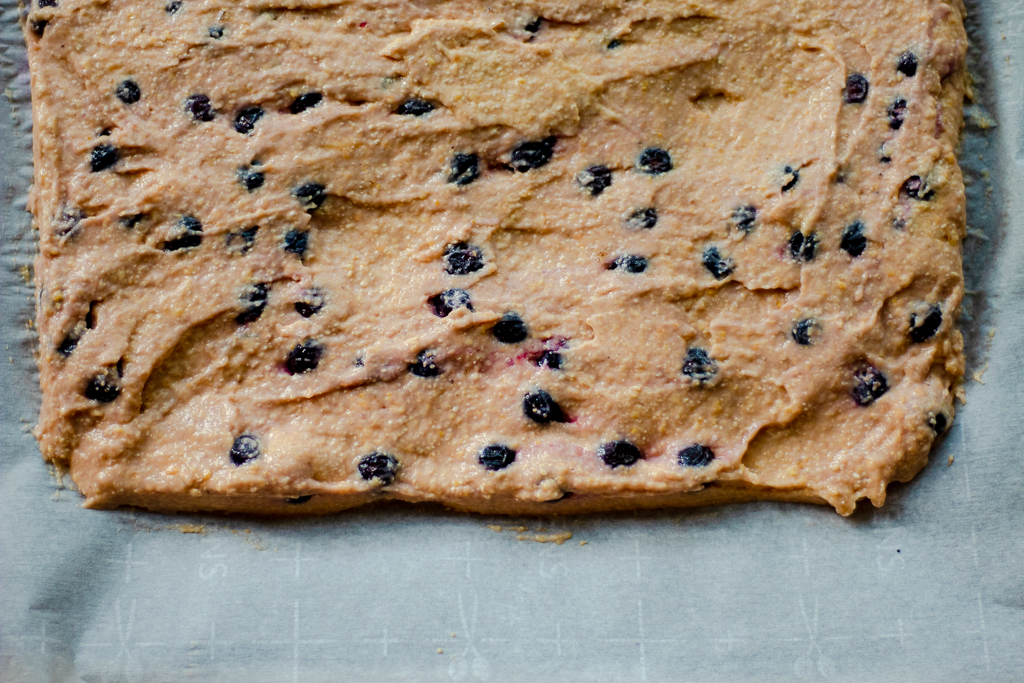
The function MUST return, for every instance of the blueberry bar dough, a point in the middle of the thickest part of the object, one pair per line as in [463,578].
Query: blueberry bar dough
[517,256]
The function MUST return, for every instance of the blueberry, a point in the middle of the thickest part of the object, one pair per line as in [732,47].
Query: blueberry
[923,328]
[696,455]
[631,263]
[245,120]
[299,500]
[311,303]
[172,7]
[310,195]
[805,331]
[254,298]
[200,108]
[854,242]
[192,235]
[103,157]
[245,448]
[296,242]
[251,180]
[534,25]
[938,422]
[103,388]
[856,90]
[128,91]
[46,3]
[497,456]
[449,300]
[510,329]
[550,359]
[216,32]
[699,366]
[243,240]
[425,364]
[915,188]
[869,386]
[414,106]
[304,357]
[68,344]
[907,64]
[532,154]
[803,247]
[379,466]
[464,169]
[305,101]
[38,27]
[614,43]
[462,258]
[654,161]
[719,266]
[642,219]
[595,179]
[897,113]
[620,454]
[744,218]
[793,178]
[541,408]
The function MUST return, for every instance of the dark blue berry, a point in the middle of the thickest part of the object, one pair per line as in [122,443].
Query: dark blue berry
[614,43]
[311,303]
[803,247]
[103,388]
[200,108]
[854,242]
[699,366]
[915,188]
[856,90]
[103,157]
[620,454]
[497,456]
[642,219]
[792,178]
[172,7]
[38,27]
[299,500]
[305,101]
[924,327]
[254,300]
[191,237]
[251,180]
[243,240]
[510,329]
[719,266]
[216,32]
[128,91]
[907,64]
[532,154]
[534,25]
[938,422]
[310,195]
[696,455]
[541,408]
[246,120]
[46,3]
[414,106]
[69,343]
[897,113]
[304,357]
[447,301]
[550,359]
[805,331]
[296,242]
[378,466]
[869,386]
[464,169]
[244,449]
[595,179]
[654,161]
[631,263]
[462,258]
[744,218]
[425,364]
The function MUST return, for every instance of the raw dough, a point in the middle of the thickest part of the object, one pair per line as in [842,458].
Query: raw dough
[296,255]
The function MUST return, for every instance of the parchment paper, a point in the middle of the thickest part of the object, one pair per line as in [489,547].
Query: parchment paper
[929,588]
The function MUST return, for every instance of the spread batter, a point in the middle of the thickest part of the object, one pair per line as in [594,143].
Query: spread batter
[514,256]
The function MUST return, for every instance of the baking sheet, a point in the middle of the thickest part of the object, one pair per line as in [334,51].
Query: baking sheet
[929,588]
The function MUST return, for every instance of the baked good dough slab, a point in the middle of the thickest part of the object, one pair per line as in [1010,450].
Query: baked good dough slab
[300,255]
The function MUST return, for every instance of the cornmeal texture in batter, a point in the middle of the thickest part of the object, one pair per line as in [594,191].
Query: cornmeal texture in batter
[510,256]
